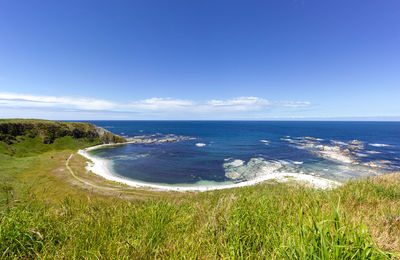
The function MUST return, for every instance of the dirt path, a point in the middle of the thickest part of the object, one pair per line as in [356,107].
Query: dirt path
[83,181]
[117,190]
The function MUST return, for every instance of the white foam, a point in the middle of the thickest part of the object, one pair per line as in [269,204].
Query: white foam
[380,145]
[297,162]
[311,138]
[373,164]
[330,152]
[373,152]
[101,167]
[264,141]
[339,142]
[289,140]
[129,156]
[384,161]
[200,144]
[235,163]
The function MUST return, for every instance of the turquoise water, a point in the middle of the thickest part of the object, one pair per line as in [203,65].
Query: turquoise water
[235,151]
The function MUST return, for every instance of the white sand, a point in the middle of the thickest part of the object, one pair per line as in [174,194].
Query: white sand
[101,167]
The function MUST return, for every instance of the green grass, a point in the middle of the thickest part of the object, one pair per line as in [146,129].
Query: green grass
[45,215]
[27,146]
[47,132]
[263,222]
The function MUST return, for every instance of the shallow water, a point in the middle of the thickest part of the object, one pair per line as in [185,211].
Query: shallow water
[234,151]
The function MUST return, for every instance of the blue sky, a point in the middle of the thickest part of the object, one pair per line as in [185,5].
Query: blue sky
[262,60]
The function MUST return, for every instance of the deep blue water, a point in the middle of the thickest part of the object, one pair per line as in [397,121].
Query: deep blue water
[226,141]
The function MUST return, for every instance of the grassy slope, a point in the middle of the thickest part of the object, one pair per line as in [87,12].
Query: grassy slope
[27,137]
[44,214]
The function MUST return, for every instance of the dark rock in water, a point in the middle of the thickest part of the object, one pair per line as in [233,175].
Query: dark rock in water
[353,147]
[356,142]
[310,138]
[150,139]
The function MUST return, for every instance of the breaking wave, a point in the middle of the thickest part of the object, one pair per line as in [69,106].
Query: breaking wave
[380,145]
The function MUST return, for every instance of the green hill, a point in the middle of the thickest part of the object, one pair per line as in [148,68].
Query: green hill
[24,137]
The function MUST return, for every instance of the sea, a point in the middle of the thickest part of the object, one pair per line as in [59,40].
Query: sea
[224,152]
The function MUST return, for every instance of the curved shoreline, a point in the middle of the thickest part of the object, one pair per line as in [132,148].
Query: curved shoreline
[100,167]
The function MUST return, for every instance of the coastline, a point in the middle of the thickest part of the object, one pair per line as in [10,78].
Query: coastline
[99,167]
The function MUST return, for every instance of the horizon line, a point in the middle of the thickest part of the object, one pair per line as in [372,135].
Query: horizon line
[356,119]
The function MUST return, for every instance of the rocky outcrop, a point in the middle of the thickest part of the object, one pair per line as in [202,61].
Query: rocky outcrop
[149,139]
[49,131]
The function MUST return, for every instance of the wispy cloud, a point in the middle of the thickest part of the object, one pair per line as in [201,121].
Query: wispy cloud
[239,104]
[152,105]
[160,104]
[294,104]
[22,100]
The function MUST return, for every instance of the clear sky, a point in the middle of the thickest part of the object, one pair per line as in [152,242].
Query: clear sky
[203,59]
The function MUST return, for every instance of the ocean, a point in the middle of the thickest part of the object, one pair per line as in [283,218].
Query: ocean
[224,152]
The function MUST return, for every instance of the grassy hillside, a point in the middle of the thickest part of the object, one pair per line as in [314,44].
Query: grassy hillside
[27,137]
[47,213]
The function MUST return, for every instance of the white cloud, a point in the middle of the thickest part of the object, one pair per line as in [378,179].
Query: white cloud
[162,106]
[294,104]
[239,104]
[21,100]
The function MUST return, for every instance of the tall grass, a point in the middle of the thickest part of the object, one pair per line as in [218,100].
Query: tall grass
[330,239]
[266,222]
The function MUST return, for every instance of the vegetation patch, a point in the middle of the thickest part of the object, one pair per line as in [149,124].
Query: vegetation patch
[27,137]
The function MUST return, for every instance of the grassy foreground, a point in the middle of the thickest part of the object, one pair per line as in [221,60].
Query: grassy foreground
[45,213]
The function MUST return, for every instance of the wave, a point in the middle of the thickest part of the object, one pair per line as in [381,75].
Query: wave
[298,162]
[311,138]
[373,152]
[380,145]
[339,142]
[128,157]
[377,164]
